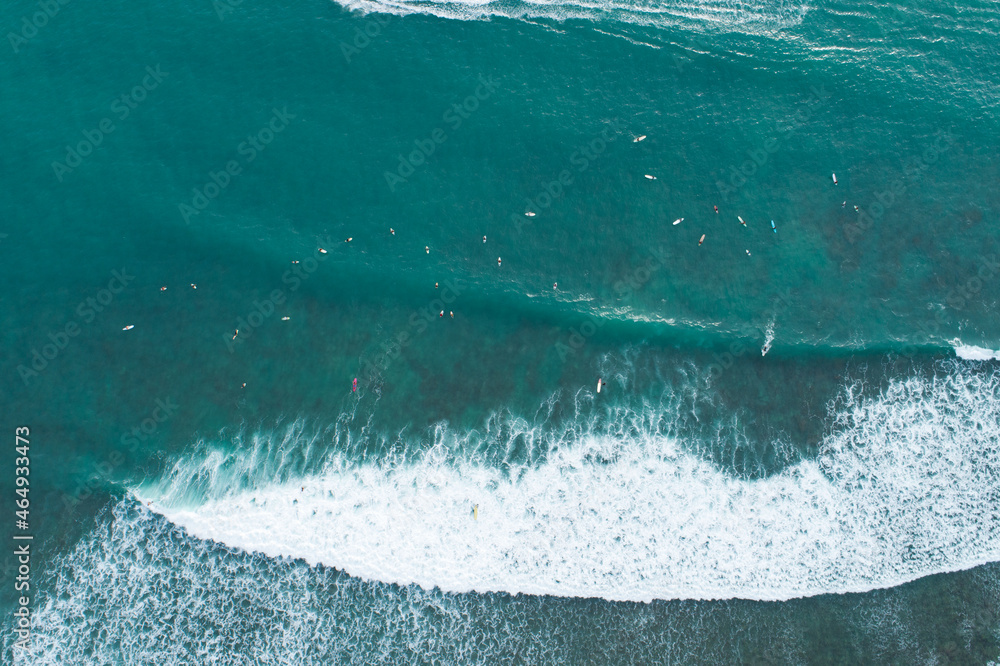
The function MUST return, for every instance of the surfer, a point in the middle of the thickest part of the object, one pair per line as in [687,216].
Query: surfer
[349,240]
[484,239]
[741,220]
[555,286]
[354,386]
[441,314]
[435,285]
[843,204]
[499,261]
[392,231]
[748,253]
[650,177]
[163,288]
[322,251]
[773,228]
[716,209]
[427,249]
[237,332]
[638,138]
[701,240]
[678,221]
[194,286]
[834,179]
[451,313]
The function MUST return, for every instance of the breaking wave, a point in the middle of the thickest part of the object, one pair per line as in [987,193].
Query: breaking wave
[906,484]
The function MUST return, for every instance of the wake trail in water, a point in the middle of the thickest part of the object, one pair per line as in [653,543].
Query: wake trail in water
[753,16]
[906,485]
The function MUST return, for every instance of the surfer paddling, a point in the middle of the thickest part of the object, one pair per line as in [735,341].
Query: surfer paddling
[834,179]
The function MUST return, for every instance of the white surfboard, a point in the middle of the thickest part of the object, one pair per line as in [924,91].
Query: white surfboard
[678,221]
[598,384]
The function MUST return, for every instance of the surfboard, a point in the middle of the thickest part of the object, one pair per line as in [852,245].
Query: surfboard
[678,221]
[598,384]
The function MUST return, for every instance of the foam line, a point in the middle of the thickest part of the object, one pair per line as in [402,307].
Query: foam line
[905,486]
[753,16]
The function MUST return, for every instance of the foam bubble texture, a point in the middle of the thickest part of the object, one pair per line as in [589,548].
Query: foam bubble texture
[137,590]
[906,485]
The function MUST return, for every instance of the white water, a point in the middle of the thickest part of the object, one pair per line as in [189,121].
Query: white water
[768,338]
[907,485]
[973,353]
[753,16]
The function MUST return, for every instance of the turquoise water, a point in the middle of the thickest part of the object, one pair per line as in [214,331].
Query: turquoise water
[795,456]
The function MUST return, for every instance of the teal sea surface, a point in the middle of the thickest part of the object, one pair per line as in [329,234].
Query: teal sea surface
[450,332]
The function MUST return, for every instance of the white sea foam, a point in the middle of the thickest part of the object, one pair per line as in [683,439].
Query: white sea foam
[753,16]
[906,485]
[973,353]
[768,338]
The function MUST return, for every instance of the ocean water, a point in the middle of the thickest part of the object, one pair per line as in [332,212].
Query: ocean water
[794,456]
